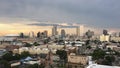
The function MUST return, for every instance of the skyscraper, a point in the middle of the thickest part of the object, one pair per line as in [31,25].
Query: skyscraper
[21,35]
[78,31]
[63,33]
[31,34]
[38,35]
[46,33]
[54,30]
[81,30]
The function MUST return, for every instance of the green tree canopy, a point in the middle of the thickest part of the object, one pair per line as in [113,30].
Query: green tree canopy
[98,54]
[28,45]
[8,56]
[4,64]
[16,56]
[89,47]
[36,66]
[25,54]
[62,54]
[35,44]
[110,58]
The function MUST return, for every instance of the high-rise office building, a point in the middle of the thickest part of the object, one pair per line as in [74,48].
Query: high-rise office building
[21,35]
[31,34]
[54,30]
[115,34]
[42,35]
[81,30]
[78,31]
[63,33]
[46,33]
[38,35]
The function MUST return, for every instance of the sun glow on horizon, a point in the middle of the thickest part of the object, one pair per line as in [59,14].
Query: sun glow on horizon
[16,27]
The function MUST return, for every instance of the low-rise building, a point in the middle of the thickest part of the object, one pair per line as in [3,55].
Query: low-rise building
[39,49]
[111,46]
[105,38]
[116,49]
[116,39]
[77,61]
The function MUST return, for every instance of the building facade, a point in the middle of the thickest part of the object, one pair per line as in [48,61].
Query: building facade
[63,33]
[77,61]
[54,30]
[105,38]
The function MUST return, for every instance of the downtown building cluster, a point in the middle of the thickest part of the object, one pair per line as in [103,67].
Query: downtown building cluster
[62,49]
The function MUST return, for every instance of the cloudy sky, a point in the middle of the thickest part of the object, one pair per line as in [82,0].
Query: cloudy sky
[93,13]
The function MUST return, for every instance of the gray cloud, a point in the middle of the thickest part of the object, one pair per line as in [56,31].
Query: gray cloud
[54,24]
[98,13]
[43,24]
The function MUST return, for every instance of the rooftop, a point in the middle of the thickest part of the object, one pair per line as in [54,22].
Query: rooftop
[101,66]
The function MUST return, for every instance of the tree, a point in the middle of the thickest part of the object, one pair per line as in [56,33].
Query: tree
[110,59]
[4,64]
[105,62]
[36,66]
[89,34]
[98,54]
[42,65]
[73,43]
[62,54]
[27,45]
[117,53]
[89,47]
[33,66]
[97,42]
[16,56]
[87,42]
[8,56]
[46,41]
[25,54]
[35,44]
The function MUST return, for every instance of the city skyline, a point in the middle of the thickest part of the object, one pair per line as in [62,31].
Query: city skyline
[38,15]
[59,34]
[70,29]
